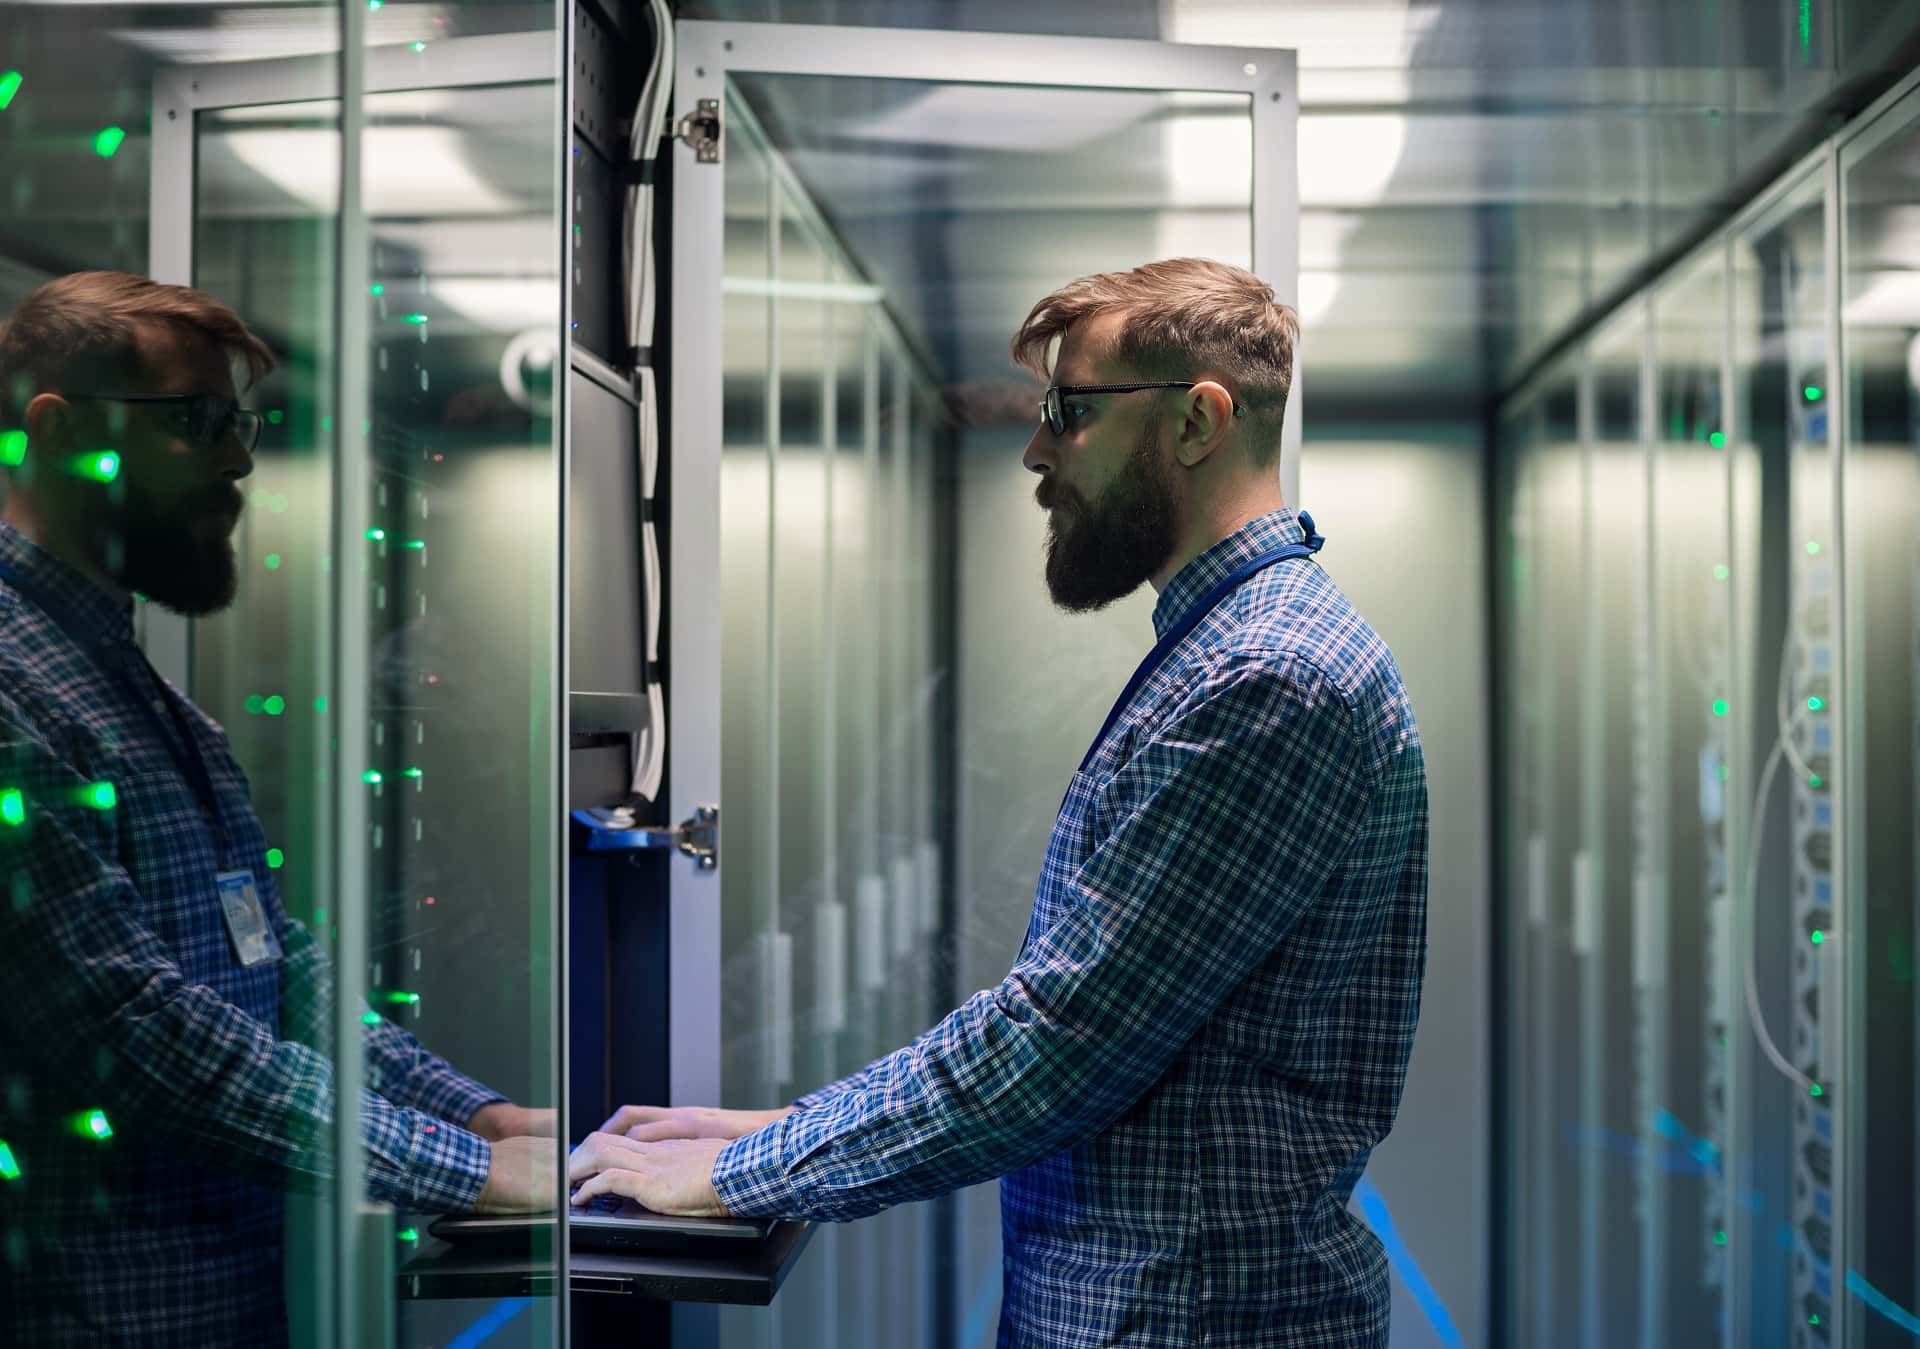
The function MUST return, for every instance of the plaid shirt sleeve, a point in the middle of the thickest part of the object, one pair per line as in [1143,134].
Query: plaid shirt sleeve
[399,1067]
[84,974]
[1259,789]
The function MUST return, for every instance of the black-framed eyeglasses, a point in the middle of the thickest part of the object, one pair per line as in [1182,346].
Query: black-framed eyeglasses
[209,416]
[1053,408]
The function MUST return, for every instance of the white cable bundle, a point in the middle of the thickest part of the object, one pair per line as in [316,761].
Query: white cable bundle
[650,758]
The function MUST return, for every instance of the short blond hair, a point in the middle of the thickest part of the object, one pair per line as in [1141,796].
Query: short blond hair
[85,326]
[1184,315]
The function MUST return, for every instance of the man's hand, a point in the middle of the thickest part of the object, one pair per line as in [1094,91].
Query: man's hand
[505,1120]
[520,1176]
[670,1177]
[656,1124]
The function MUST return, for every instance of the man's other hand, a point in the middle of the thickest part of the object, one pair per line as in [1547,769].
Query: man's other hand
[503,1119]
[657,1124]
[520,1176]
[671,1177]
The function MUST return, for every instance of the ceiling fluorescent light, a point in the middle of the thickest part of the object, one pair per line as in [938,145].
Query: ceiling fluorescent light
[1208,149]
[1889,300]
[1348,159]
[1348,36]
[1021,120]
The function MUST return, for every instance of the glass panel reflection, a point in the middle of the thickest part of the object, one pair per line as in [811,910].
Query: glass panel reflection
[1613,843]
[1685,991]
[459,561]
[1783,711]
[1883,652]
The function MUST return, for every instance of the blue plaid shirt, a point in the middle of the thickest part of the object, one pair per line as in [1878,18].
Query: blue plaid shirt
[1207,1029]
[123,994]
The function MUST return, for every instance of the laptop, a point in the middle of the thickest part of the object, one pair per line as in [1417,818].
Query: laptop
[612,1223]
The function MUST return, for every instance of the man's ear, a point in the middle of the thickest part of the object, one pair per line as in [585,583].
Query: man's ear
[1206,419]
[49,425]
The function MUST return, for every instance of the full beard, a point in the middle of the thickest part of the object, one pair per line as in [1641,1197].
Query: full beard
[182,560]
[1104,551]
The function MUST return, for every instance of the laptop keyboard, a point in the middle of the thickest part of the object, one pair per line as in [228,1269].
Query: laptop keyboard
[604,1203]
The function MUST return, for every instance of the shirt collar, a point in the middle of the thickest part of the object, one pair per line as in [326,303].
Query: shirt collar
[81,606]
[1275,529]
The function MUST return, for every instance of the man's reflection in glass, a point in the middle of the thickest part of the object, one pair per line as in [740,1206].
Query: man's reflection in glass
[162,1069]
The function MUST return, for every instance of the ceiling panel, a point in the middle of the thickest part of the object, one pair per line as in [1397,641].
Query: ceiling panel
[1473,175]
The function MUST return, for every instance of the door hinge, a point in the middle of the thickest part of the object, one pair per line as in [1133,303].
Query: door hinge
[701,130]
[603,829]
[699,838]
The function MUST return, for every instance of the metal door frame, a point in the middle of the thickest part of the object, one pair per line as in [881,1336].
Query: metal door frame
[707,54]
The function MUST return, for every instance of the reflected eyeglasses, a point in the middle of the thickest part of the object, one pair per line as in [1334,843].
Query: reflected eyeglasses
[1053,408]
[209,415]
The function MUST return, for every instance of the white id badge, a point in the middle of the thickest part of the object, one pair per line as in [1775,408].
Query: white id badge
[253,939]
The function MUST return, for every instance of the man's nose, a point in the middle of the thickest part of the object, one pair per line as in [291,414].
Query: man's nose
[1040,456]
[236,460]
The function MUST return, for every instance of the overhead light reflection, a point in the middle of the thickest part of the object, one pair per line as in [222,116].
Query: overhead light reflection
[407,170]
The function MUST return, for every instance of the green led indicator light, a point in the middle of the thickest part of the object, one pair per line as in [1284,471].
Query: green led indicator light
[416,318]
[1720,706]
[108,141]
[99,796]
[419,46]
[101,467]
[1720,1237]
[9,1168]
[97,1124]
[408,1234]
[1816,936]
[371,777]
[416,543]
[275,859]
[275,417]
[1814,393]
[275,705]
[1717,439]
[13,448]
[1816,1090]
[320,703]
[13,807]
[1813,1319]
[1813,548]
[401,998]
[375,4]
[9,86]
[1815,781]
[370,1018]
[411,773]
[1722,773]
[1721,571]
[376,534]
[1815,704]
[273,561]
[255,704]
[378,289]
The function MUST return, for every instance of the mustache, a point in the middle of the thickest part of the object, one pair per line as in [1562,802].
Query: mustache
[224,500]
[1050,495]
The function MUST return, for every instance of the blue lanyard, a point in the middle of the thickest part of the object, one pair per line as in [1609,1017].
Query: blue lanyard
[1191,620]
[149,691]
